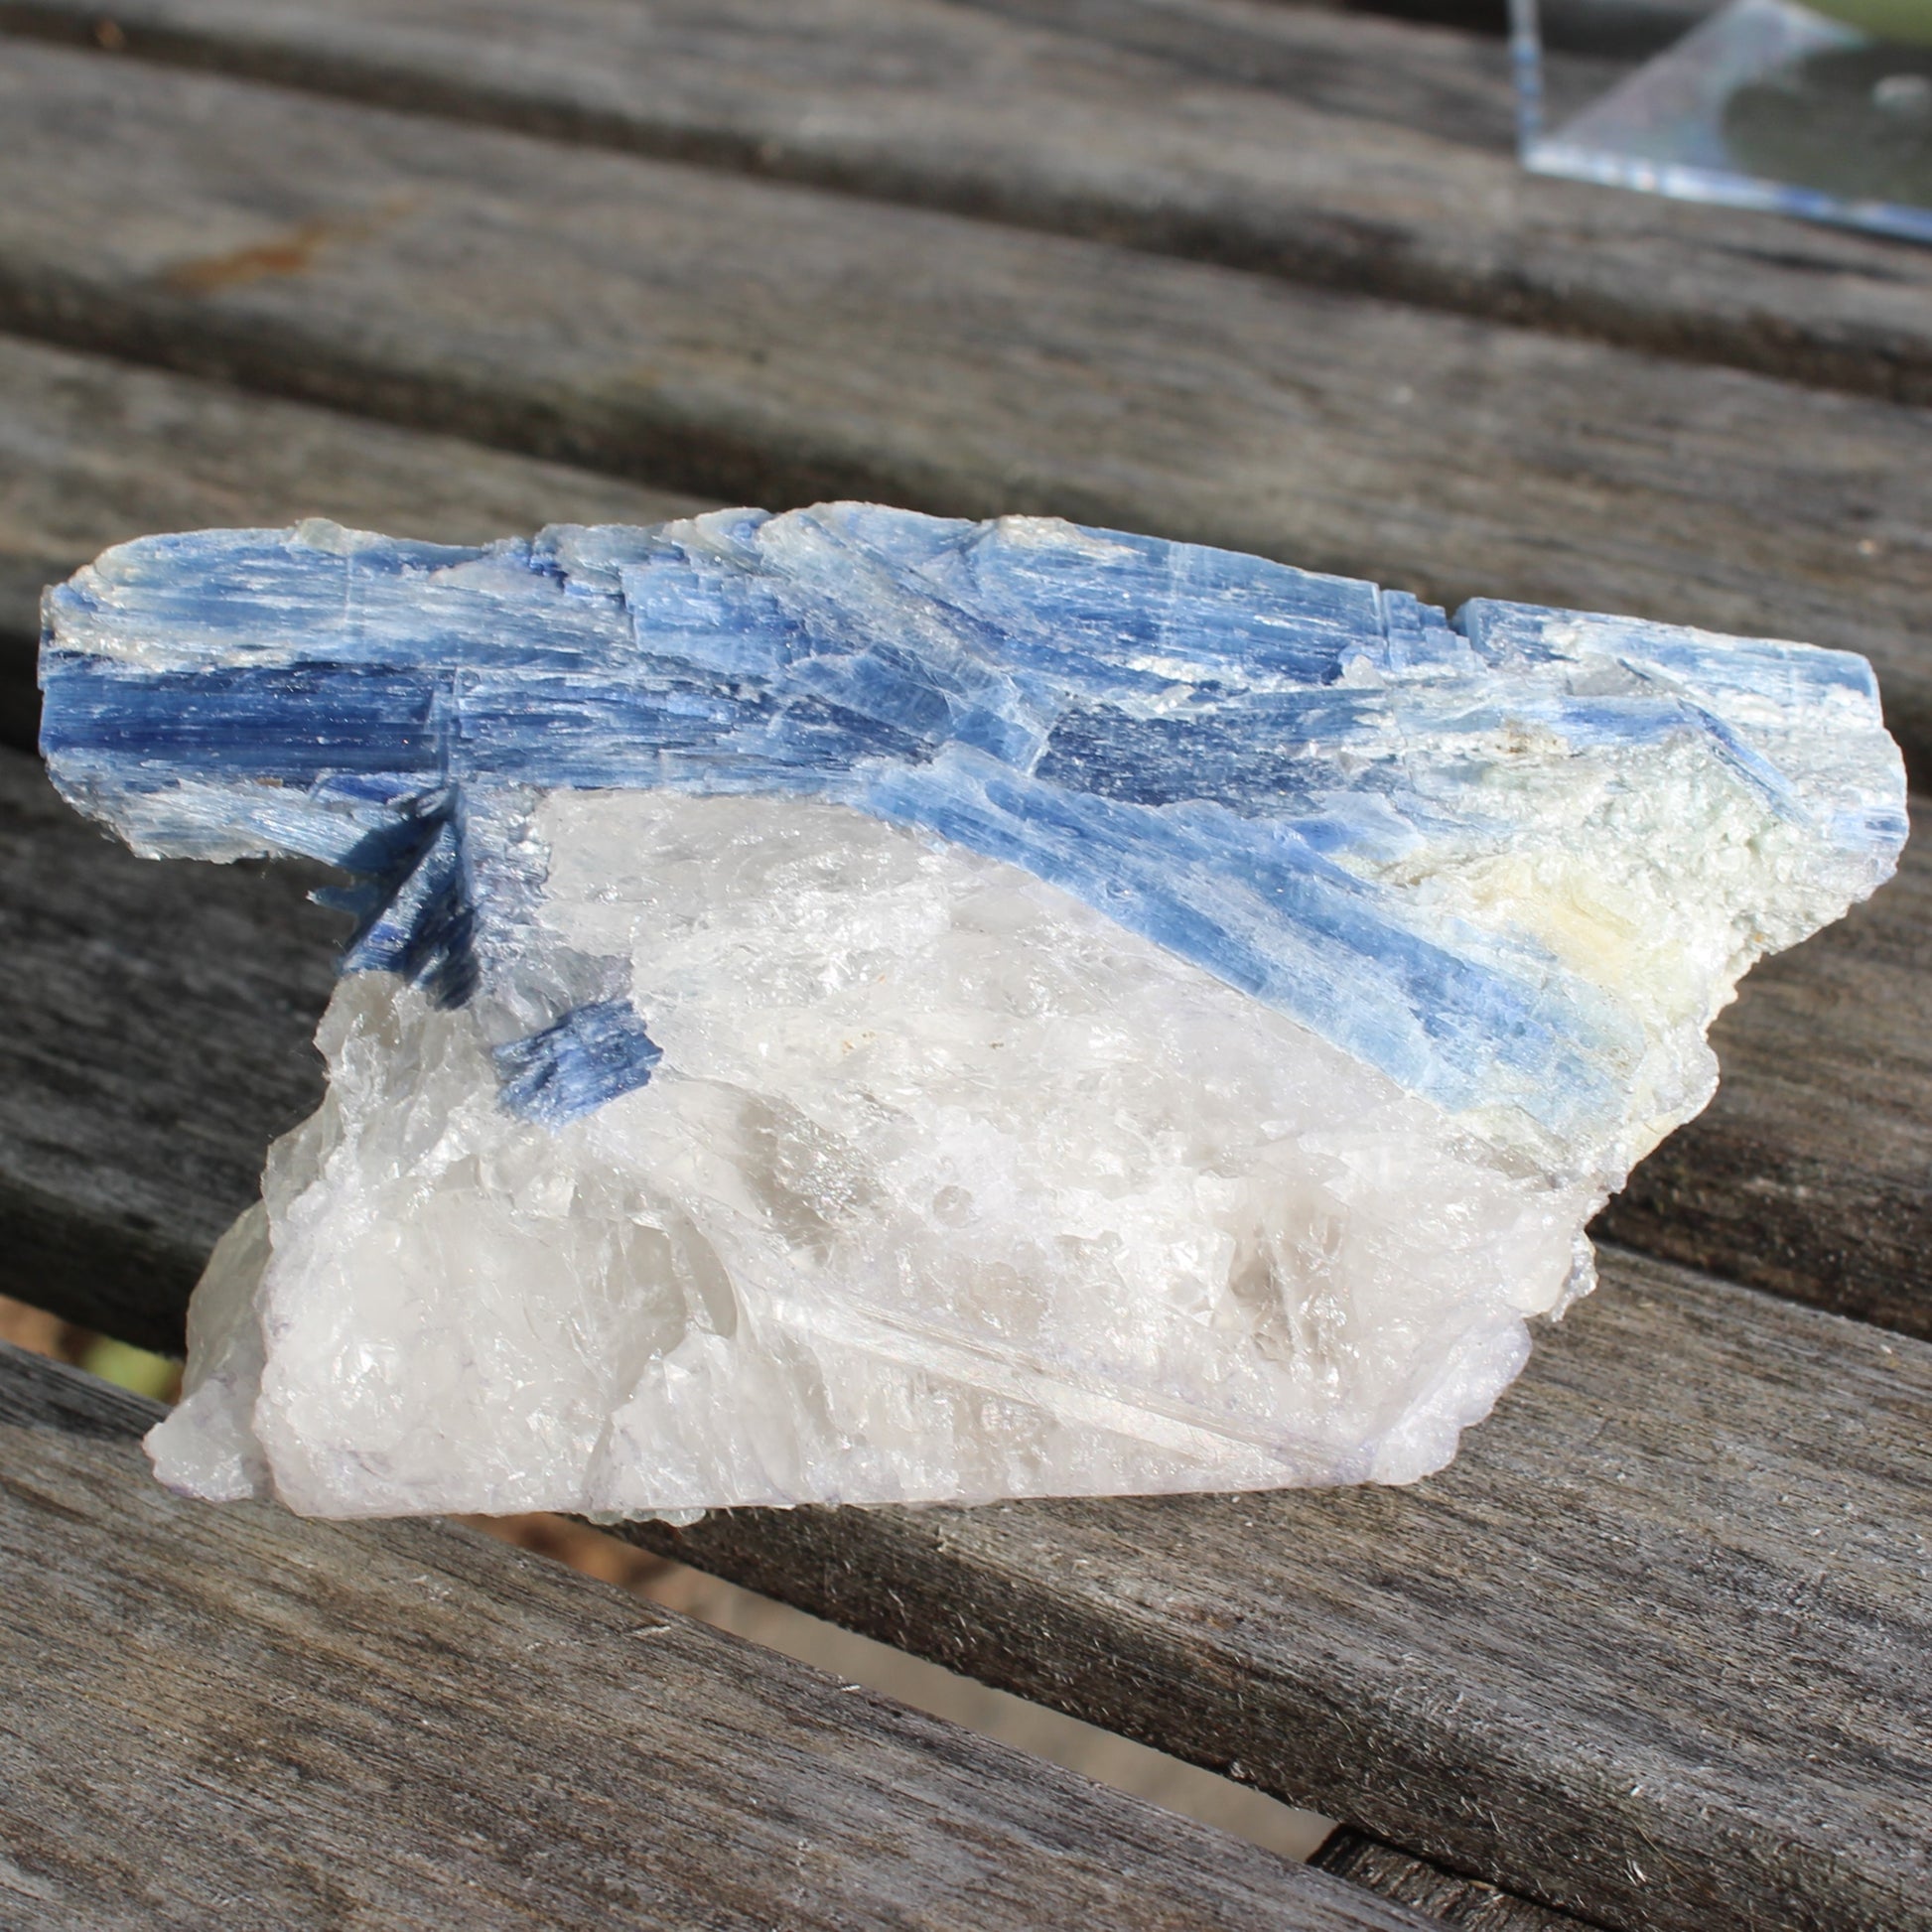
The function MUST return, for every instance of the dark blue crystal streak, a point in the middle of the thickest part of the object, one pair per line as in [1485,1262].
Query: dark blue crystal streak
[591,1054]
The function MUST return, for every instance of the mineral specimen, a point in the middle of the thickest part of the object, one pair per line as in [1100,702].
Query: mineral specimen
[850,1006]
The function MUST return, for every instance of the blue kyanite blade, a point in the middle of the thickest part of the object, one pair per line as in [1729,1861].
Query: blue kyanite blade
[1221,754]
[591,1054]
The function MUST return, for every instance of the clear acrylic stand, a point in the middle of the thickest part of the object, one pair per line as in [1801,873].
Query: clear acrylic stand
[1765,105]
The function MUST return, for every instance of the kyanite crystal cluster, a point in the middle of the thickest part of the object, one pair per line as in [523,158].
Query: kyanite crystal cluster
[856,1006]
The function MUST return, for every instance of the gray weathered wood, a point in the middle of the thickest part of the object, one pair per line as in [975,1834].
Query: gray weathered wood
[1464,1903]
[1358,152]
[767,343]
[1446,81]
[1438,64]
[230,1716]
[155,1023]
[700,80]
[1655,1649]
[94,452]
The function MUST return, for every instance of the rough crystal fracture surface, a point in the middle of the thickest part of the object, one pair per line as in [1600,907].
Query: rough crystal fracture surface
[851,1006]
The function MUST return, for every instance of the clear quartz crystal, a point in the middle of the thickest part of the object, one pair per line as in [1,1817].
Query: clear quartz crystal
[951,1190]
[1072,1016]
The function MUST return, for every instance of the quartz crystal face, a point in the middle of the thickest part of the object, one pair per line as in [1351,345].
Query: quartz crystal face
[858,1006]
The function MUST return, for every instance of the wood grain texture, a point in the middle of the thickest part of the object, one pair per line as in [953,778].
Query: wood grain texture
[155,1028]
[231,1717]
[1322,146]
[1655,1649]
[704,79]
[1467,1903]
[94,452]
[761,343]
[1447,81]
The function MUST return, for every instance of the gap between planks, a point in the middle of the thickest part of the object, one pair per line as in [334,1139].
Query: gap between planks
[1448,1897]
[413,1724]
[1653,1649]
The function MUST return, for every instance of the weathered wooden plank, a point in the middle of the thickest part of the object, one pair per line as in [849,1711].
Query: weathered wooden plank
[230,1716]
[1323,146]
[1438,66]
[1655,1649]
[1445,1896]
[1451,80]
[696,80]
[94,452]
[155,1023]
[755,341]
[1277,45]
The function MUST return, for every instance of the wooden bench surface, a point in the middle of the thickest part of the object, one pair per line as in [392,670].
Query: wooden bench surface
[1656,1648]
[1348,151]
[248,1719]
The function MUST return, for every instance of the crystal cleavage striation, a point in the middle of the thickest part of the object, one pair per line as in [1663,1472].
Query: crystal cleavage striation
[852,1005]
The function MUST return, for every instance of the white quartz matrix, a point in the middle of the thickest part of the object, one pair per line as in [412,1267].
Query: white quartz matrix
[968,1166]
